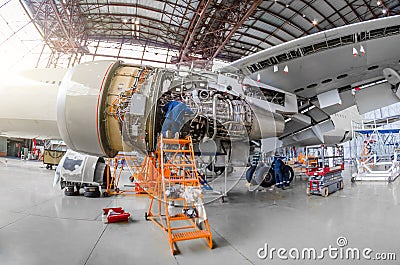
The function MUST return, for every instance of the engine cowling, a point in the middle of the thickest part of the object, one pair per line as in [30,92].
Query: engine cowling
[87,116]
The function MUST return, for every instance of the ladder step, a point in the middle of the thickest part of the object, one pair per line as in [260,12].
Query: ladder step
[183,227]
[190,235]
[175,141]
[179,217]
[178,165]
[183,180]
[176,151]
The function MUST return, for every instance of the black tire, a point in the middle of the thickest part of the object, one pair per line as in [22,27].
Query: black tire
[288,172]
[63,184]
[70,191]
[92,194]
[91,188]
[106,169]
[353,179]
[325,192]
[146,217]
[78,187]
[264,177]
[249,174]
[105,194]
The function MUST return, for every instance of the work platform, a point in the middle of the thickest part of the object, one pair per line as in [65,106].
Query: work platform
[377,149]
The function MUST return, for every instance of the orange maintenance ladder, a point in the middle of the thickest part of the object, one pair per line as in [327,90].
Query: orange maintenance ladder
[171,178]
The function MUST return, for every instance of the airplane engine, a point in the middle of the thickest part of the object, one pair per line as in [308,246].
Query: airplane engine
[219,114]
[87,120]
[104,107]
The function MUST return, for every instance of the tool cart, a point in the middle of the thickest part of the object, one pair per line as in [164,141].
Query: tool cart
[324,168]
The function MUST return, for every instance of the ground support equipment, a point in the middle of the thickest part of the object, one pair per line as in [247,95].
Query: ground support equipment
[115,171]
[324,168]
[377,150]
[170,177]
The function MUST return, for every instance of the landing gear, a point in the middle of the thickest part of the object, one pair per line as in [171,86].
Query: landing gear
[288,172]
[264,175]
[249,174]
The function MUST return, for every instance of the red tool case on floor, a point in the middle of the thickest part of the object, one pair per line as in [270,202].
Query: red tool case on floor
[116,214]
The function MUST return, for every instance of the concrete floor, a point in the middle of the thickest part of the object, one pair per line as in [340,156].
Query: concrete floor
[39,225]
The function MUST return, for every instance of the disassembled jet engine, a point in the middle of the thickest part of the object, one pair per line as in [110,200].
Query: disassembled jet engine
[105,107]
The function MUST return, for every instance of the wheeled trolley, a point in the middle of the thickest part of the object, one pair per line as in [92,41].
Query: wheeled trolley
[53,152]
[324,168]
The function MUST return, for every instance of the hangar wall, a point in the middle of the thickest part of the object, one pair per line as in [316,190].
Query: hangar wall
[3,146]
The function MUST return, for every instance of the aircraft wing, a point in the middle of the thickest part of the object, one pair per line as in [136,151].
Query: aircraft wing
[324,73]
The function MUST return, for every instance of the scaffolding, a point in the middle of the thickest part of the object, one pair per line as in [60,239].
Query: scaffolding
[170,178]
[114,171]
[377,150]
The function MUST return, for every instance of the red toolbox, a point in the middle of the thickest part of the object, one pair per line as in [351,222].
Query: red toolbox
[116,214]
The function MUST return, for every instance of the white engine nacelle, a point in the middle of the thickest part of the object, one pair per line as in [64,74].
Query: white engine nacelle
[87,90]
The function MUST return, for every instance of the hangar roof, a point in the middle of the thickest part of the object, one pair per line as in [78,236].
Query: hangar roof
[192,29]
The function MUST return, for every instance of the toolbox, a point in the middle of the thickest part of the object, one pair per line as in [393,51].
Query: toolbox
[115,215]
